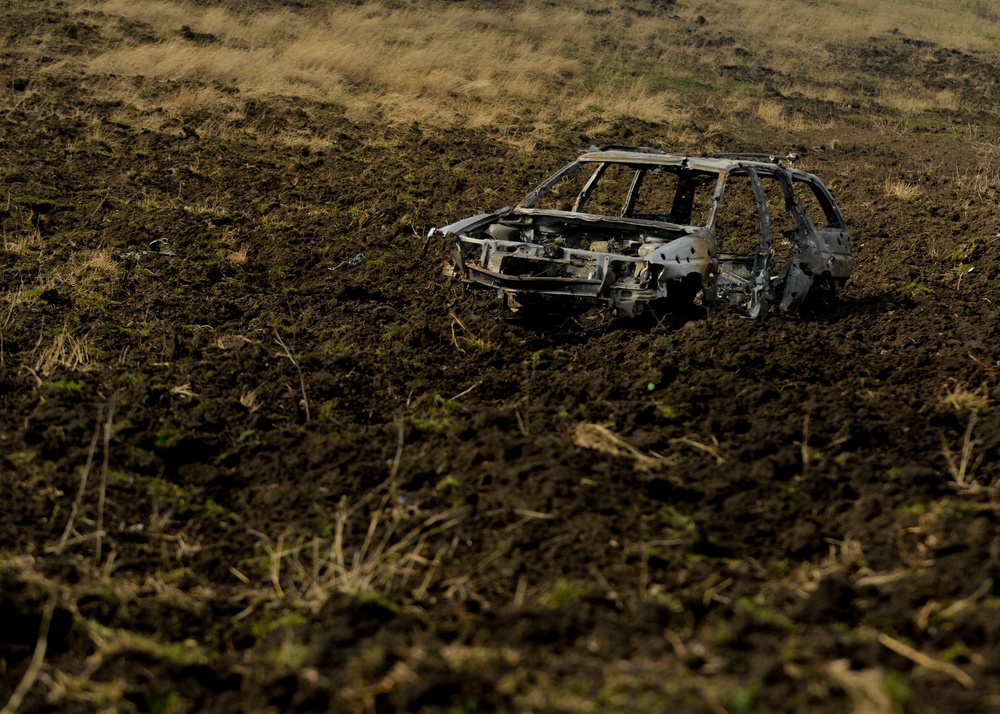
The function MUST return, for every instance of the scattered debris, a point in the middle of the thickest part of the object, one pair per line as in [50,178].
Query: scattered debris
[159,248]
[352,263]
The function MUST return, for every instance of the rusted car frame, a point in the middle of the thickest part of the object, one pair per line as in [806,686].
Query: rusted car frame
[631,227]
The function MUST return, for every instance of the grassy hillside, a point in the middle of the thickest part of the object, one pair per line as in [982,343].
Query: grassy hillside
[525,68]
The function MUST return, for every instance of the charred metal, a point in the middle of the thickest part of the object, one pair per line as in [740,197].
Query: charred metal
[629,227]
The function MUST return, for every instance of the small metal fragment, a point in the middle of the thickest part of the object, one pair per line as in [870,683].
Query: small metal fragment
[158,247]
[352,263]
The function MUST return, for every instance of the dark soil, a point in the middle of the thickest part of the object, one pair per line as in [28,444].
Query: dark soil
[239,426]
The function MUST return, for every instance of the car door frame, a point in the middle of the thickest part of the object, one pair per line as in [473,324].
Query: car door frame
[758,285]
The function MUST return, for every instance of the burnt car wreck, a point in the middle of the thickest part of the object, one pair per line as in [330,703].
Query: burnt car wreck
[634,227]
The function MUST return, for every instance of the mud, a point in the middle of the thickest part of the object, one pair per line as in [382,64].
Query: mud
[367,490]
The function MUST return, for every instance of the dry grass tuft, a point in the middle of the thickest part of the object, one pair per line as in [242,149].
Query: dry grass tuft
[771,113]
[99,262]
[959,397]
[962,465]
[89,268]
[21,242]
[238,256]
[14,297]
[909,102]
[183,390]
[470,341]
[985,178]
[600,438]
[392,556]
[865,687]
[250,399]
[902,190]
[65,352]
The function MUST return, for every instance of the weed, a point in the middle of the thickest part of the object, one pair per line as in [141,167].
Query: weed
[915,509]
[430,424]
[469,340]
[665,413]
[166,439]
[963,465]
[66,387]
[21,458]
[289,655]
[448,483]
[168,703]
[744,698]
[765,616]
[129,380]
[910,288]
[959,397]
[447,405]
[675,523]
[328,410]
[212,510]
[561,594]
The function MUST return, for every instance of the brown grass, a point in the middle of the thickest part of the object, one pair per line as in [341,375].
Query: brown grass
[394,554]
[82,685]
[21,241]
[962,461]
[238,256]
[960,397]
[902,190]
[87,269]
[601,438]
[460,65]
[963,464]
[984,179]
[250,398]
[66,351]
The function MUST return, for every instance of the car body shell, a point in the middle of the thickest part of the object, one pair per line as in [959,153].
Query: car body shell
[629,259]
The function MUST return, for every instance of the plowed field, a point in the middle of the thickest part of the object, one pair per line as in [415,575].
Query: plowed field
[237,477]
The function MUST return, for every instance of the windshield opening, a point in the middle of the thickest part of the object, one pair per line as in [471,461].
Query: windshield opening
[670,194]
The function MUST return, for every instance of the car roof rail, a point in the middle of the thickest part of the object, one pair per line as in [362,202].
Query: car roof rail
[623,147]
[790,157]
